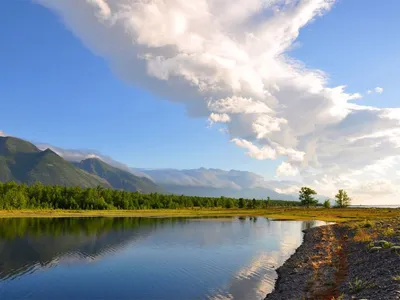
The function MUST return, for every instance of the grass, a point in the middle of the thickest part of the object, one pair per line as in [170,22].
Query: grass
[367,224]
[388,232]
[363,235]
[341,297]
[358,285]
[396,278]
[299,213]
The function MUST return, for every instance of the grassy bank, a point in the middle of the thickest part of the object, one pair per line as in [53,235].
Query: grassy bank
[333,215]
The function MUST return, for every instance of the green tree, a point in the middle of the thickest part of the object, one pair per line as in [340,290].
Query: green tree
[15,199]
[268,202]
[342,199]
[228,203]
[253,203]
[306,197]
[327,203]
[242,203]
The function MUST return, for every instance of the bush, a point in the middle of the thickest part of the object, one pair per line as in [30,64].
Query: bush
[327,203]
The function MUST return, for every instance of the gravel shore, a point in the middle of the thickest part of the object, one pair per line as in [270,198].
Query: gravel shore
[344,261]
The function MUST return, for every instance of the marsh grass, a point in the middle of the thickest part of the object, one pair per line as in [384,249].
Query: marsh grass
[298,213]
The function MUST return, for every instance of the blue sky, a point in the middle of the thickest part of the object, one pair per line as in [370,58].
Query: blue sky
[55,90]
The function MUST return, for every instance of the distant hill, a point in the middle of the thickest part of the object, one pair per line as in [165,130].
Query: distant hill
[195,182]
[117,178]
[257,193]
[214,183]
[23,162]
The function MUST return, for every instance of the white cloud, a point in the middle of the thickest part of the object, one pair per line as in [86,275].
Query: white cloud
[228,60]
[102,8]
[265,152]
[286,169]
[219,118]
[378,187]
[2,133]
[292,188]
[239,105]
[379,90]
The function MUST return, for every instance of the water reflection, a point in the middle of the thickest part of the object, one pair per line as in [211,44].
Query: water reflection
[28,244]
[151,258]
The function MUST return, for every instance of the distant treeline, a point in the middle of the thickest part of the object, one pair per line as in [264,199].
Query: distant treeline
[39,196]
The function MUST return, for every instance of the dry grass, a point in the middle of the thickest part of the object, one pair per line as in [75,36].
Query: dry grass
[363,235]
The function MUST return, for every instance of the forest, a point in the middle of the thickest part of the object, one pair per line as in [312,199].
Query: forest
[39,196]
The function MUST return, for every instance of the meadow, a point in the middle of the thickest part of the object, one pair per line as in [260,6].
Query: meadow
[281,213]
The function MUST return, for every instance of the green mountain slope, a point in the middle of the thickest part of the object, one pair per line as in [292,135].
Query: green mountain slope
[118,178]
[23,162]
[10,146]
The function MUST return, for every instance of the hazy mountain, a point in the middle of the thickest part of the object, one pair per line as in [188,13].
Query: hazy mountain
[23,162]
[201,182]
[214,182]
[117,178]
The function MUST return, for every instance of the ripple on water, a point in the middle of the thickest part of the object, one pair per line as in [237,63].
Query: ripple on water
[215,259]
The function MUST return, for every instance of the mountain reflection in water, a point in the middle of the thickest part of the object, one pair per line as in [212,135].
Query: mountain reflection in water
[137,258]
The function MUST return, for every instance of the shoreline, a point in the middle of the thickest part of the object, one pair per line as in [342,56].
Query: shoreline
[343,261]
[281,213]
[355,258]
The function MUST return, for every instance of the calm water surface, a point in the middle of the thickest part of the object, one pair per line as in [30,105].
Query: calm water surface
[144,258]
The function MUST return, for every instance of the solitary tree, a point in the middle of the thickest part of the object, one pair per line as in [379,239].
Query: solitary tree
[327,203]
[306,197]
[342,199]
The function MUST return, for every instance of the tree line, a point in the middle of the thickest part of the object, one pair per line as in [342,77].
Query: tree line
[306,197]
[39,196]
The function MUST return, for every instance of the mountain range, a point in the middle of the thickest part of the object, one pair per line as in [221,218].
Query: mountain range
[213,182]
[117,178]
[24,162]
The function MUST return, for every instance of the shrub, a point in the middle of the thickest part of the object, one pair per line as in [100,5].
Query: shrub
[367,224]
[387,245]
[327,203]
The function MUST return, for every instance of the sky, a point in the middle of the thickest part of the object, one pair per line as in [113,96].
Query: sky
[301,90]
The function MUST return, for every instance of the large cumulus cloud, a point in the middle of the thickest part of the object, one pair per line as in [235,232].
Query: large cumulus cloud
[228,61]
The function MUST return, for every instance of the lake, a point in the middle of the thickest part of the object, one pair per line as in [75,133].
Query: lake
[144,258]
